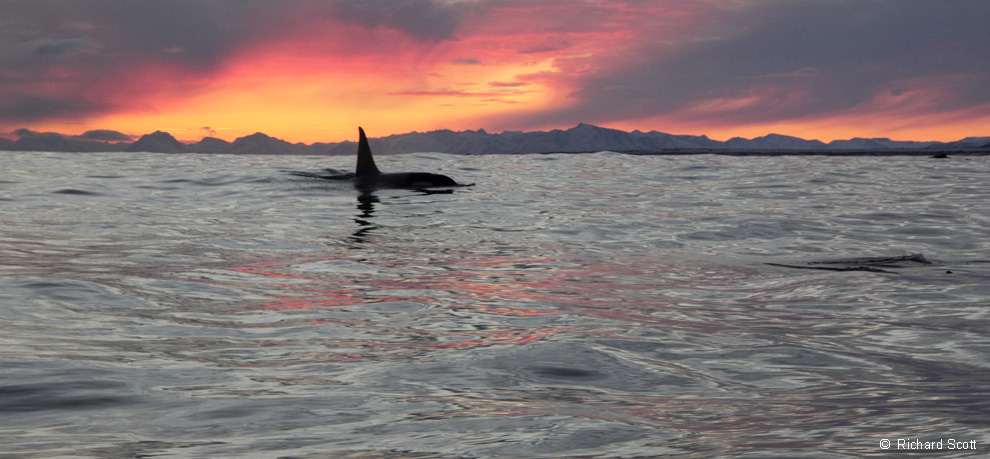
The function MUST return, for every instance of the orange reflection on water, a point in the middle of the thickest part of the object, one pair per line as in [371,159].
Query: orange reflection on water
[477,286]
[385,309]
[633,290]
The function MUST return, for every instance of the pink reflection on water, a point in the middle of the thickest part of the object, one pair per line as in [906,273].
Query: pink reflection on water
[633,290]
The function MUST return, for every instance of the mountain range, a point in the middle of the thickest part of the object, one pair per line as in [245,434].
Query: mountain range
[579,139]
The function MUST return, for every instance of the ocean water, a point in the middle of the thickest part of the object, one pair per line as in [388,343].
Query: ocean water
[599,305]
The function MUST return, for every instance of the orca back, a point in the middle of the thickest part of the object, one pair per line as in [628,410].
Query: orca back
[368,177]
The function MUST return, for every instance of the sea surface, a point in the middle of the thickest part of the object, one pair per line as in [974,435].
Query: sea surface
[565,306]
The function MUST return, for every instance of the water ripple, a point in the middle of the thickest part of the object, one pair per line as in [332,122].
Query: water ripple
[629,307]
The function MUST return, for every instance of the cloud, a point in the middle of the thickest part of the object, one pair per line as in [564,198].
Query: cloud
[749,56]
[466,61]
[443,93]
[551,44]
[804,72]
[422,19]
[507,84]
[52,47]
[29,108]
[70,59]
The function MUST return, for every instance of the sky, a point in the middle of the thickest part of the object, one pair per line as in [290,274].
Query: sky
[312,70]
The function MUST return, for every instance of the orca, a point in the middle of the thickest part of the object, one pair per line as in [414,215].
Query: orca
[872,264]
[368,177]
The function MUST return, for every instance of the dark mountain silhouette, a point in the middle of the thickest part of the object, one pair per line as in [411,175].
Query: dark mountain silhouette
[209,145]
[29,140]
[157,142]
[579,139]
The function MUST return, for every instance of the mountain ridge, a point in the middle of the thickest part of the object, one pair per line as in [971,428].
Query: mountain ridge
[578,139]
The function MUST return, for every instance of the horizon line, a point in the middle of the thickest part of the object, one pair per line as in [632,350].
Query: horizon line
[22,133]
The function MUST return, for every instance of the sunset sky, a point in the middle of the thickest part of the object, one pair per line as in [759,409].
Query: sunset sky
[313,70]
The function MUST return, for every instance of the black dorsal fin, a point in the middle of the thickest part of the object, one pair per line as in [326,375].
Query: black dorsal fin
[365,163]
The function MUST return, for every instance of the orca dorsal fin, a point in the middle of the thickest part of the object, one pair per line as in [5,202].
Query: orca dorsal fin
[365,163]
